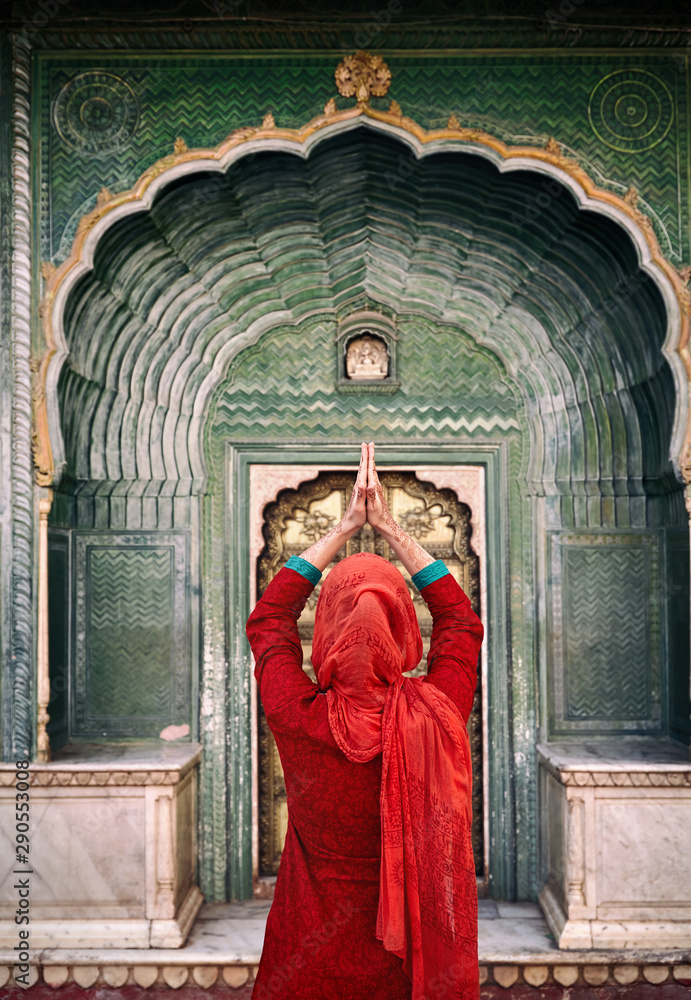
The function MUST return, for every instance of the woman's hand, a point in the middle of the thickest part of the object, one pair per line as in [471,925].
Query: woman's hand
[378,513]
[412,555]
[325,548]
[356,511]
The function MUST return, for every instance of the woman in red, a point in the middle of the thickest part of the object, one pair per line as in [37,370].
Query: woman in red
[376,894]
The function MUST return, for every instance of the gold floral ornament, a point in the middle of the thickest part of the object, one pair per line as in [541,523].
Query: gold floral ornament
[363,76]
[418,523]
[315,524]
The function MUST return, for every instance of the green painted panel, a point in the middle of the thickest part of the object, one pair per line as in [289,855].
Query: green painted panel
[131,671]
[605,634]
[675,592]
[129,638]
[103,119]
[58,633]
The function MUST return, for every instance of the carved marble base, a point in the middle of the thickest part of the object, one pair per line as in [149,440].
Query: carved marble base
[173,933]
[113,852]
[615,821]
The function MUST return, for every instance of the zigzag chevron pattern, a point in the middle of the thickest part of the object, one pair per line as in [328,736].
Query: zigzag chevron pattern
[129,634]
[202,104]
[204,100]
[179,291]
[606,633]
[453,389]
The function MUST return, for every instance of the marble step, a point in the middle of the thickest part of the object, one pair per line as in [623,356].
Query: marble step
[224,947]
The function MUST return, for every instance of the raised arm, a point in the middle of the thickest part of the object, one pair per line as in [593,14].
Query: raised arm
[457,635]
[272,626]
[457,631]
[412,555]
[273,634]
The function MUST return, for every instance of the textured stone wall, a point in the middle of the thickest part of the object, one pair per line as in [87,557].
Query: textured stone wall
[6,386]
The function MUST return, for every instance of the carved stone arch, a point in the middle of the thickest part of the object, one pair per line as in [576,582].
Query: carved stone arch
[574,391]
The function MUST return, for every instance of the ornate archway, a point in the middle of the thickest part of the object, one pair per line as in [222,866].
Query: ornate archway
[493,302]
[201,309]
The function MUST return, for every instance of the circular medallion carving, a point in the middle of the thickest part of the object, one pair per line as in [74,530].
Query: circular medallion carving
[96,112]
[631,110]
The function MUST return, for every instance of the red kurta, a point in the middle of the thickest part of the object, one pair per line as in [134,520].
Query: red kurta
[320,939]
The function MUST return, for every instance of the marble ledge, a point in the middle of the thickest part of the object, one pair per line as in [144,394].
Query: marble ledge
[638,762]
[111,763]
[239,946]
[519,936]
[230,956]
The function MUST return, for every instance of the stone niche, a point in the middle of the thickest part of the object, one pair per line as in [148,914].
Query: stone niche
[366,353]
[367,358]
[615,822]
[112,849]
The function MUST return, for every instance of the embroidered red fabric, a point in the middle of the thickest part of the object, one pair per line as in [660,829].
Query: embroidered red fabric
[365,635]
[320,941]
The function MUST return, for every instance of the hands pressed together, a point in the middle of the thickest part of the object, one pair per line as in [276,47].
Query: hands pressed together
[368,505]
[367,501]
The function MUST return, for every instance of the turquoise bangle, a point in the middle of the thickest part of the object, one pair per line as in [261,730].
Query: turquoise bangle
[428,574]
[304,568]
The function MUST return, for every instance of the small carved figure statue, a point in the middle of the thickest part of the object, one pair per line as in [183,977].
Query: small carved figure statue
[367,358]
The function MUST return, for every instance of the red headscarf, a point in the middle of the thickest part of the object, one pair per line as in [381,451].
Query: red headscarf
[365,635]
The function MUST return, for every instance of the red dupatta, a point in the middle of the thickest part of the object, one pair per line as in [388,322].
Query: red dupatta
[365,635]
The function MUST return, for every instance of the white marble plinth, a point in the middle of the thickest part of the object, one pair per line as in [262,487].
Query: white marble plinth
[615,821]
[112,847]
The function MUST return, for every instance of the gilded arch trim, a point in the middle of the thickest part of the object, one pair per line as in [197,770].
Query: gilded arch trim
[268,137]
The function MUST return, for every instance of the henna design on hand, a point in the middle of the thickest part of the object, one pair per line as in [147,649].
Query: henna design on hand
[312,554]
[356,496]
[408,547]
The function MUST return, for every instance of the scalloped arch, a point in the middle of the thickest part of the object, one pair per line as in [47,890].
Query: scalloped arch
[178,275]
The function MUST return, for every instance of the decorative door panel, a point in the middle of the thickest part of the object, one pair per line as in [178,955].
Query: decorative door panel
[441,523]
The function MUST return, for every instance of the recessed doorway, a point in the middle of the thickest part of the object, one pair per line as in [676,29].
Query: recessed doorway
[434,515]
